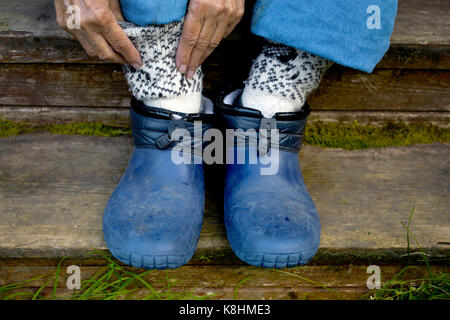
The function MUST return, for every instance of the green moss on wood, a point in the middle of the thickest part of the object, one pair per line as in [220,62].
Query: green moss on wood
[355,136]
[10,128]
[327,135]
[87,129]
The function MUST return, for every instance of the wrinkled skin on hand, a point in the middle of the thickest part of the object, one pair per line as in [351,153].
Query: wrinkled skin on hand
[99,33]
[207,23]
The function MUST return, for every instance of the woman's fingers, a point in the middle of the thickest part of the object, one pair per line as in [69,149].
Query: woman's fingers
[206,42]
[191,32]
[99,33]
[207,23]
[120,43]
[103,49]
[85,43]
[214,42]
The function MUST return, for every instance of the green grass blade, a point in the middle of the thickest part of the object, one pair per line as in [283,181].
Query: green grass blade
[37,293]
[55,284]
[240,283]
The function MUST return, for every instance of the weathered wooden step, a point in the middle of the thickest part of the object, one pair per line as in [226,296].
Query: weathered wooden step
[29,34]
[229,282]
[121,116]
[53,190]
[46,77]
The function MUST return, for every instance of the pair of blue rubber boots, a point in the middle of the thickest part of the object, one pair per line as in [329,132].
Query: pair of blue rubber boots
[154,217]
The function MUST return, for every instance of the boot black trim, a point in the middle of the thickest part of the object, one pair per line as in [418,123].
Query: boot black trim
[143,110]
[280,116]
[153,127]
[291,125]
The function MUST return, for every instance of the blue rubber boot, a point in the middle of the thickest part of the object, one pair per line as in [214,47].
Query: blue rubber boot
[270,218]
[154,217]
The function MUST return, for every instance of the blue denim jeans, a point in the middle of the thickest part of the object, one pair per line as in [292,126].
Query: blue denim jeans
[353,33]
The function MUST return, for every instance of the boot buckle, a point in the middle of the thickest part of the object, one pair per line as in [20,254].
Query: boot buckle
[265,127]
[165,140]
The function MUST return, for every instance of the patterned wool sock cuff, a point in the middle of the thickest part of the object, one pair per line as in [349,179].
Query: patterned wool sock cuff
[159,83]
[281,79]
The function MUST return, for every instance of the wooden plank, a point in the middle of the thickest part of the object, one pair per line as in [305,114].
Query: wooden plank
[120,116]
[341,282]
[405,56]
[55,50]
[60,115]
[422,22]
[384,90]
[441,119]
[63,85]
[416,21]
[72,85]
[53,190]
[29,33]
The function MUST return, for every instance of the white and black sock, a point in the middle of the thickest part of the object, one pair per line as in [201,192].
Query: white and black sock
[281,78]
[158,83]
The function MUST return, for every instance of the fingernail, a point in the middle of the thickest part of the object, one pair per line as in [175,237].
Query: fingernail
[183,68]
[136,65]
[190,74]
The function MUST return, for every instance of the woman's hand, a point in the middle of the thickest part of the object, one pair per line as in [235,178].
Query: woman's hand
[207,23]
[99,33]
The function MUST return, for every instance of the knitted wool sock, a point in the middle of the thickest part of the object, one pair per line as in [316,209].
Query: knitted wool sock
[281,78]
[158,83]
